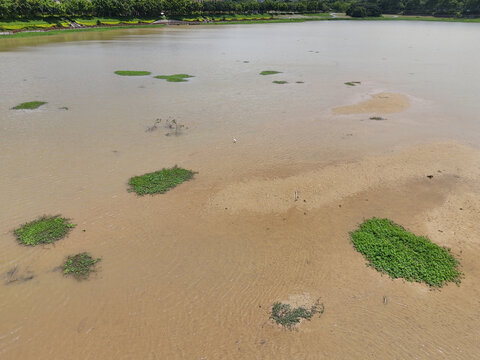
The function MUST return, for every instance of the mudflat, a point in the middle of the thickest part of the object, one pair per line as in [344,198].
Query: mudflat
[193,273]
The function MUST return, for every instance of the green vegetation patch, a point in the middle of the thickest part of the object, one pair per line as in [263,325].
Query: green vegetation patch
[286,316]
[174,77]
[391,249]
[80,265]
[132,73]
[30,105]
[159,181]
[270,72]
[44,230]
[281,82]
[353,83]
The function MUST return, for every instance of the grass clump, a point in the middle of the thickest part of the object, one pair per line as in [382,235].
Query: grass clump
[352,83]
[30,105]
[159,181]
[132,73]
[377,118]
[174,77]
[44,230]
[286,316]
[80,265]
[270,72]
[391,249]
[281,82]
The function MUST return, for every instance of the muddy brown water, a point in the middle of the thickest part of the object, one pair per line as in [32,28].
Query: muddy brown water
[193,273]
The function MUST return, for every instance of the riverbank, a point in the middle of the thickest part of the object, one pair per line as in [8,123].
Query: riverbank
[52,26]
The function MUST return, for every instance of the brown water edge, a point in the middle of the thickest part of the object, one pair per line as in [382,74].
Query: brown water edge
[182,277]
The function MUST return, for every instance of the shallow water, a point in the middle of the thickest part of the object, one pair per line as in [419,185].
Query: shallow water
[192,273]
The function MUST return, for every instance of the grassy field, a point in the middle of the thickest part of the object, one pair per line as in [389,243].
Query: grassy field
[54,24]
[391,249]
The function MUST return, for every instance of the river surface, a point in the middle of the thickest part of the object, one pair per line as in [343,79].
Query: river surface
[194,272]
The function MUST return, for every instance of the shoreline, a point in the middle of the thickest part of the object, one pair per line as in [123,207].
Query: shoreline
[6,34]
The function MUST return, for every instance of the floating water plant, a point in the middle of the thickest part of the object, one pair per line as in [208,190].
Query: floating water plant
[391,249]
[286,316]
[80,265]
[132,73]
[270,72]
[160,181]
[377,118]
[174,77]
[31,105]
[44,230]
[353,83]
[281,82]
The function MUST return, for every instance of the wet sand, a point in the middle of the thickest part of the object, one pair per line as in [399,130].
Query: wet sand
[383,103]
[193,273]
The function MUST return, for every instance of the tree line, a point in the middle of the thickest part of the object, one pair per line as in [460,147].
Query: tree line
[26,9]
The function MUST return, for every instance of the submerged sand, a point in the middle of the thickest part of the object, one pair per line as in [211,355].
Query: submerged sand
[382,103]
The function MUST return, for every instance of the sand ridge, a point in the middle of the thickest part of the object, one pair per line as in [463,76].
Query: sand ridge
[322,186]
[381,103]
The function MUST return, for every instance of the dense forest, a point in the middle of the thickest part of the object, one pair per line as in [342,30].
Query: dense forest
[26,9]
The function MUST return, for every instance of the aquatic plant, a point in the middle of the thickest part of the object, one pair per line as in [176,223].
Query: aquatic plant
[286,316]
[174,77]
[390,249]
[159,181]
[352,83]
[44,230]
[80,265]
[281,82]
[30,105]
[270,72]
[378,118]
[132,73]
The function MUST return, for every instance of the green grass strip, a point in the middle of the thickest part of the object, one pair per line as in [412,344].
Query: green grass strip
[44,230]
[391,249]
[270,72]
[31,105]
[281,82]
[80,265]
[159,182]
[132,73]
[174,77]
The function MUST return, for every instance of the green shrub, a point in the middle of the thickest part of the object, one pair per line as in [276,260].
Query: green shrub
[285,315]
[44,230]
[391,249]
[160,181]
[80,265]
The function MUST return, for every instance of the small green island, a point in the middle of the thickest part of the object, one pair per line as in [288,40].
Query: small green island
[175,77]
[80,265]
[280,82]
[270,72]
[30,105]
[159,182]
[132,73]
[44,230]
[391,249]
